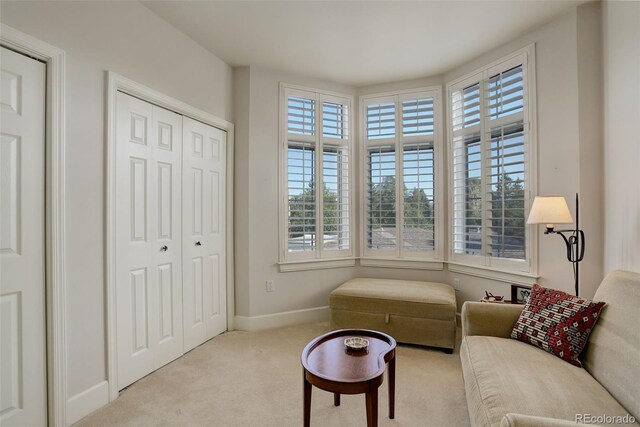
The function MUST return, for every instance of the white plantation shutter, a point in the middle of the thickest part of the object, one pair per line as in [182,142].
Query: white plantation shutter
[301,200]
[506,151]
[467,194]
[506,193]
[335,120]
[400,196]
[467,168]
[471,106]
[317,184]
[465,104]
[301,115]
[505,93]
[418,229]
[381,197]
[301,172]
[417,117]
[418,173]
[381,120]
[490,177]
[335,175]
[336,198]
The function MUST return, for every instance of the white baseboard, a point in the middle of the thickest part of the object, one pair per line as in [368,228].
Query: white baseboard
[82,404]
[286,318]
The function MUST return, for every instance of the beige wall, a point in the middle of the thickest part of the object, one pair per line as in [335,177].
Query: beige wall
[621,42]
[242,172]
[590,131]
[127,38]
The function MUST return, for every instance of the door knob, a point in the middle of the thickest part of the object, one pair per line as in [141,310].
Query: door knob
[164,248]
[198,243]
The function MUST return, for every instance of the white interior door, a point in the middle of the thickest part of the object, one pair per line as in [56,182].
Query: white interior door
[204,226]
[23,394]
[148,238]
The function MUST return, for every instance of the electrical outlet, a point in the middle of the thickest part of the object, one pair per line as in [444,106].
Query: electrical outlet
[456,284]
[270,286]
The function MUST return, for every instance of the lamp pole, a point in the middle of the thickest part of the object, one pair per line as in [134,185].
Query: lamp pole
[575,245]
[577,235]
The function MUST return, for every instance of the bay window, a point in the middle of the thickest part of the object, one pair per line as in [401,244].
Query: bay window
[492,165]
[400,193]
[316,159]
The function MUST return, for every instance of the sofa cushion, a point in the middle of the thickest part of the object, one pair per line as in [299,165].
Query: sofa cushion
[612,354]
[504,376]
[557,322]
[402,297]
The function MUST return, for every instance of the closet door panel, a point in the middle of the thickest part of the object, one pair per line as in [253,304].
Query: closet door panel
[148,238]
[204,232]
[168,223]
[216,293]
[23,387]
[133,240]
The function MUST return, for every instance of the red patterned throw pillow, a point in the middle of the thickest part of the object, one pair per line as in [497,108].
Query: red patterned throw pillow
[557,322]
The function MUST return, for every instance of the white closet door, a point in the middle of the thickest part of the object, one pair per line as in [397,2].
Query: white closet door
[203,226]
[148,238]
[23,395]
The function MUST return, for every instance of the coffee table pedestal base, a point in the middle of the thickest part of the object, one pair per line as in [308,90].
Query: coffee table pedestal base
[371,396]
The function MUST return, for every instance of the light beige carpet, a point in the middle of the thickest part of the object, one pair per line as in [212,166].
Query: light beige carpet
[255,379]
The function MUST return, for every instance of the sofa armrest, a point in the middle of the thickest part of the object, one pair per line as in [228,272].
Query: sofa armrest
[520,420]
[496,320]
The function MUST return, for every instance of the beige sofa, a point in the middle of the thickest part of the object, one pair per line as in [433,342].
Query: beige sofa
[510,383]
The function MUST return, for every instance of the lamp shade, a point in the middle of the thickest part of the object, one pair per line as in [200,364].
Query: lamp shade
[549,210]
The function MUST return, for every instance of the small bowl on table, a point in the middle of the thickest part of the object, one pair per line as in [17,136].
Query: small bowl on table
[356,344]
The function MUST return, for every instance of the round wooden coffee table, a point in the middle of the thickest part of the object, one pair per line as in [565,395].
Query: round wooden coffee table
[328,365]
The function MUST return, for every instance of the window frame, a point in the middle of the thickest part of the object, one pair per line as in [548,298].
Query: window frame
[400,257]
[483,264]
[318,257]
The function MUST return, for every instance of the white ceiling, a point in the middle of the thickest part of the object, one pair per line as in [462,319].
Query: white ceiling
[356,42]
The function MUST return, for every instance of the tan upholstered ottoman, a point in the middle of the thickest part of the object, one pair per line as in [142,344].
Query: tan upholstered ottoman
[412,312]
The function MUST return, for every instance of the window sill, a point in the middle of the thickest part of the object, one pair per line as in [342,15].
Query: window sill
[315,264]
[471,270]
[415,264]
[513,277]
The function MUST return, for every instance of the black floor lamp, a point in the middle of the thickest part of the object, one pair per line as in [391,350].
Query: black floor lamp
[552,210]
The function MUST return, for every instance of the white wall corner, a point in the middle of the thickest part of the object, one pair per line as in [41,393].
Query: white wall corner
[84,403]
[285,318]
